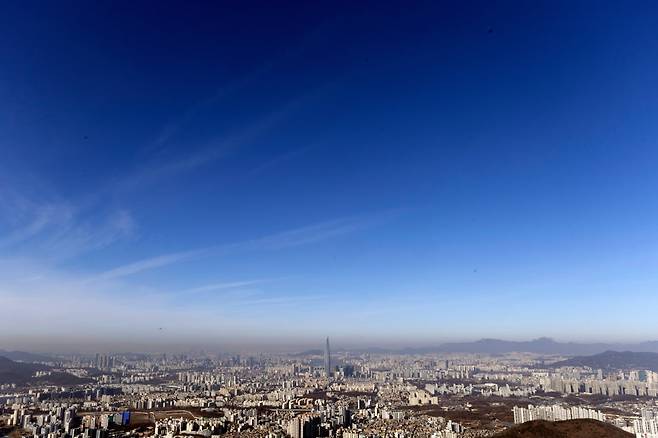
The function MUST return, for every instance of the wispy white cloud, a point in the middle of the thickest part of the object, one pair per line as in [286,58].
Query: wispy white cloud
[81,236]
[283,158]
[319,232]
[309,234]
[53,227]
[43,218]
[291,238]
[27,219]
[175,126]
[280,300]
[215,149]
[220,286]
[150,263]
[226,90]
[52,309]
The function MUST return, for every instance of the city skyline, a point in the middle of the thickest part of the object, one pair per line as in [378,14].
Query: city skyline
[293,395]
[216,176]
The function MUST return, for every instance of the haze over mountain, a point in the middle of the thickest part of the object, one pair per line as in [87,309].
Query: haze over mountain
[23,356]
[542,345]
[615,360]
[538,346]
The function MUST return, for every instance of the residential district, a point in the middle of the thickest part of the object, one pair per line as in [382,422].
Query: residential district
[317,393]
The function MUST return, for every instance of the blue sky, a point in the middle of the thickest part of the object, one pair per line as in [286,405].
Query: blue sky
[235,173]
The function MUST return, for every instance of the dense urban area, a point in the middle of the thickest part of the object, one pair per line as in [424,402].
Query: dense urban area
[317,393]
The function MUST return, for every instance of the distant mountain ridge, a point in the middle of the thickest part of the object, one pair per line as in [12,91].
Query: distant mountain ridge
[615,360]
[315,352]
[542,345]
[537,346]
[23,356]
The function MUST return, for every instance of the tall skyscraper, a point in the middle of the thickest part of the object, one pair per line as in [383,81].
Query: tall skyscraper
[327,359]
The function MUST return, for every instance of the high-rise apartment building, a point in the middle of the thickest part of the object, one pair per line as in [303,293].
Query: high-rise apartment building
[327,359]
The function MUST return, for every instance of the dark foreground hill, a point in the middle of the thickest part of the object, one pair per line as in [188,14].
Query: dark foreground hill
[22,373]
[17,372]
[615,360]
[565,429]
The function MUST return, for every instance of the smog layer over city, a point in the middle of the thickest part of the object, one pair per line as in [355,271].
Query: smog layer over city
[344,219]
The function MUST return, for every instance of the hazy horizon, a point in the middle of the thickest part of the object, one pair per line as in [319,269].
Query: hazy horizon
[381,174]
[260,345]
